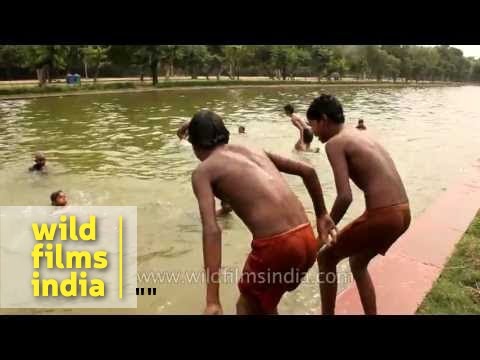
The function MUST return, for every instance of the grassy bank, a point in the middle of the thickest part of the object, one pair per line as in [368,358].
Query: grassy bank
[56,89]
[457,290]
[47,89]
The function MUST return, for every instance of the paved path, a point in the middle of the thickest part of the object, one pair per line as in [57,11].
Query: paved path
[404,277]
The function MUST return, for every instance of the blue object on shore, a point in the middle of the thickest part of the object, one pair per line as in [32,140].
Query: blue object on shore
[70,79]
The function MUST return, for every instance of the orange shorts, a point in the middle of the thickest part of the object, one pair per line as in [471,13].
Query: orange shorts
[377,230]
[277,264]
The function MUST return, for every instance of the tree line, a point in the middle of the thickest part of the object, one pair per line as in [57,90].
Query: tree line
[332,62]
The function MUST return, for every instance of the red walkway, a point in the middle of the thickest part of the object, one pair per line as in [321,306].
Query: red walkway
[407,273]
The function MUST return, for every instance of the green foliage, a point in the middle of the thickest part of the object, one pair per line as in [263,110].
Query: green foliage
[281,62]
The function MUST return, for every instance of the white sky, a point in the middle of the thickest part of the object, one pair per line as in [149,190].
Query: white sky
[468,50]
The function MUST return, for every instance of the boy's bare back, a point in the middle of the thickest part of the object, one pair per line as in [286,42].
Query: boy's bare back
[249,181]
[356,155]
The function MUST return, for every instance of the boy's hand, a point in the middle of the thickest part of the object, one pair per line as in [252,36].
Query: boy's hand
[326,229]
[213,309]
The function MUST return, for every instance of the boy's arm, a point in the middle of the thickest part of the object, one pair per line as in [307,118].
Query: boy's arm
[182,131]
[338,161]
[212,238]
[325,226]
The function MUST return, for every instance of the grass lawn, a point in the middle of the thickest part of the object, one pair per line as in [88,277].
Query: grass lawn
[457,290]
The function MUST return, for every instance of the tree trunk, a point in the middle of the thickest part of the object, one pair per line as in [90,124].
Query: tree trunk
[154,70]
[41,75]
[48,74]
[85,67]
[219,72]
[167,73]
[97,70]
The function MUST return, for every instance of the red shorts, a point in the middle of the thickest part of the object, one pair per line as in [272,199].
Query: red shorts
[376,230]
[277,264]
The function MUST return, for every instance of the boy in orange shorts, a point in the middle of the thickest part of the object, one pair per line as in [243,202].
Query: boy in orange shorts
[355,155]
[250,181]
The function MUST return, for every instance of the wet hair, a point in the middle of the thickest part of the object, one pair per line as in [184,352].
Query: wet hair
[327,105]
[289,109]
[241,129]
[54,195]
[307,136]
[206,130]
[360,121]
[39,156]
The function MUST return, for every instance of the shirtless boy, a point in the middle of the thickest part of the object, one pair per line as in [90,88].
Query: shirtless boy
[355,155]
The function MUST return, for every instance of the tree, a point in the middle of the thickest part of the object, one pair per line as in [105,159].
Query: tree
[96,57]
[320,58]
[45,59]
[10,56]
[194,58]
[216,60]
[377,60]
[475,76]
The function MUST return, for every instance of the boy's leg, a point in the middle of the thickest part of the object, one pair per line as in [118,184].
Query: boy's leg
[327,273]
[247,306]
[358,266]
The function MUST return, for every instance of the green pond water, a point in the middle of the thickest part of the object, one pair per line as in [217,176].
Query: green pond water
[121,149]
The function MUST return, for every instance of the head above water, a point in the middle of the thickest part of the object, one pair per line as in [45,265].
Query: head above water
[325,116]
[206,131]
[241,129]
[58,198]
[289,109]
[40,158]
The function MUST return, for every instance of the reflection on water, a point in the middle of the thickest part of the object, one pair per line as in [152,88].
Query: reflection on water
[121,149]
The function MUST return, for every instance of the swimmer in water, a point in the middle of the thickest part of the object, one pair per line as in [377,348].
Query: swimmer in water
[361,125]
[306,138]
[241,129]
[40,163]
[58,198]
[306,133]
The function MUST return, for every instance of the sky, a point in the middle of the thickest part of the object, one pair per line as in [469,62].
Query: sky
[468,50]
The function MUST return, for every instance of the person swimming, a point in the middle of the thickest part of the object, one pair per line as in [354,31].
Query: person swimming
[361,125]
[58,198]
[241,129]
[306,138]
[40,163]
[306,133]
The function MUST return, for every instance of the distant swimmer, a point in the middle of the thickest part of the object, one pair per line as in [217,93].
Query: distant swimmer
[241,129]
[40,163]
[297,121]
[58,198]
[306,138]
[361,125]
[225,208]
[306,133]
